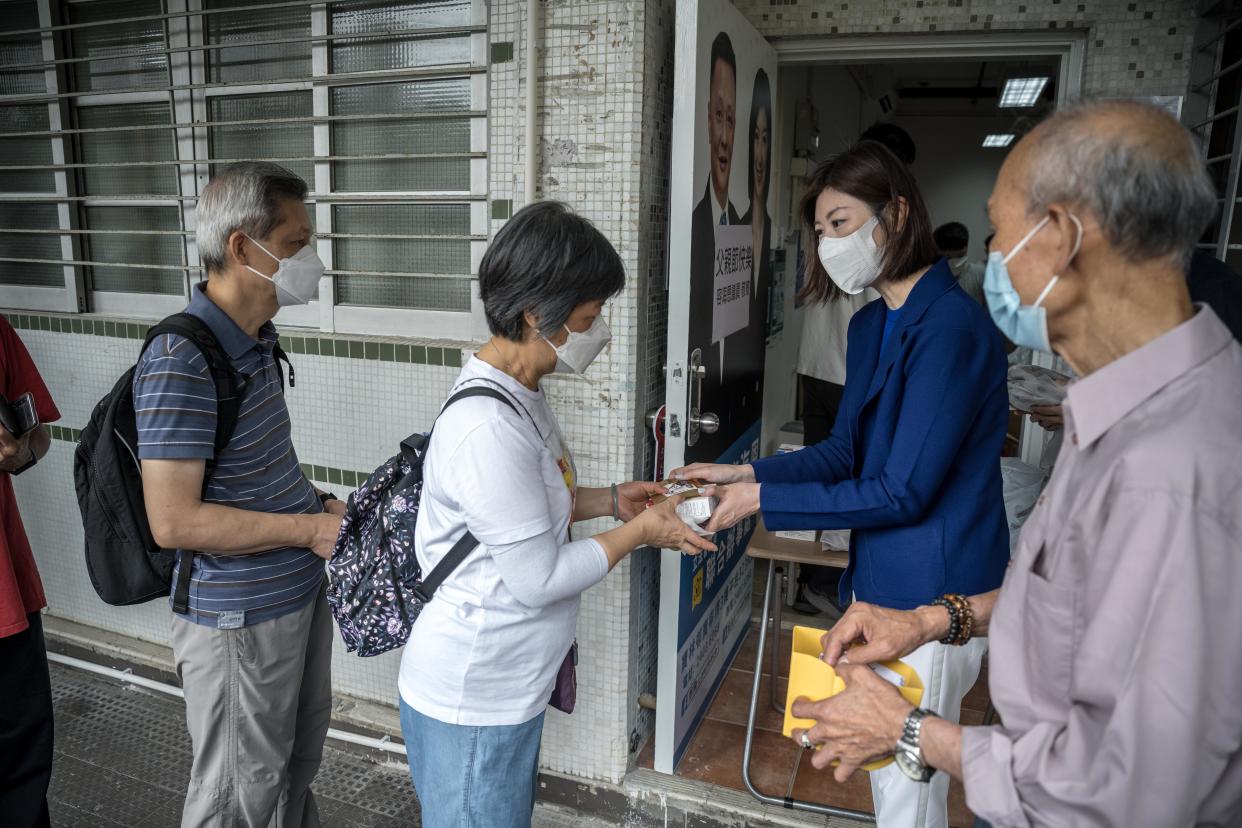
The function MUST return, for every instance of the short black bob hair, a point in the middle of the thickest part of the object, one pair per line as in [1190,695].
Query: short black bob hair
[547,260]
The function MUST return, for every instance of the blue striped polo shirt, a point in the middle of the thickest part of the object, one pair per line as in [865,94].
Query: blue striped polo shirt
[175,404]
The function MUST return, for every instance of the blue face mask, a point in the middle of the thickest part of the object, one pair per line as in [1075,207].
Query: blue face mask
[1024,325]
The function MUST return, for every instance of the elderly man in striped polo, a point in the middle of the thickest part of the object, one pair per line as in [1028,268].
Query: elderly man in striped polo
[254,649]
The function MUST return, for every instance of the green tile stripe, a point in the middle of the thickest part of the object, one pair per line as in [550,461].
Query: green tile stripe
[335,477]
[372,349]
[378,350]
[69,435]
[115,328]
[319,474]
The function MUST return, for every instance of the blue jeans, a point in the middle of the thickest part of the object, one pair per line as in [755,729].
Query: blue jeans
[472,777]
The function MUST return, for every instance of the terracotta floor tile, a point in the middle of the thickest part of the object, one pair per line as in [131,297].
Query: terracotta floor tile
[970,718]
[746,653]
[732,702]
[715,755]
[819,786]
[977,698]
[855,794]
[959,815]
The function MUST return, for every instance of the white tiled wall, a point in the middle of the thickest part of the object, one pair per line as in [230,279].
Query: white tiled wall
[1134,47]
[605,108]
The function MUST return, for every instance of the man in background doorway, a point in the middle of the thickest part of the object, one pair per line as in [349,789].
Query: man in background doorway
[953,242]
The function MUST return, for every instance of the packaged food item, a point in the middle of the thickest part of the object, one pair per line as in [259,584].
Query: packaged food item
[1033,385]
[811,677]
[696,509]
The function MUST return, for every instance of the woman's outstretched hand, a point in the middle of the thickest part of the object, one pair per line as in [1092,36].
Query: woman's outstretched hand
[720,473]
[734,503]
[632,498]
[664,528]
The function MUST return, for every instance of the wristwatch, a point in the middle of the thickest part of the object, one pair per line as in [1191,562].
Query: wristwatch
[908,754]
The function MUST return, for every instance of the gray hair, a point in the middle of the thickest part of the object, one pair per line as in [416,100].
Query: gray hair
[246,197]
[547,260]
[1142,179]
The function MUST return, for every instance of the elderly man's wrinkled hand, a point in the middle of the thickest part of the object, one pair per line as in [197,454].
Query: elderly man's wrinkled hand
[860,724]
[867,633]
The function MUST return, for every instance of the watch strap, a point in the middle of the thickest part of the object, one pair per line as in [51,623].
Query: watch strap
[911,741]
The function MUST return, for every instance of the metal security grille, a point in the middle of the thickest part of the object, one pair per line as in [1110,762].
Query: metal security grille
[114,114]
[1214,114]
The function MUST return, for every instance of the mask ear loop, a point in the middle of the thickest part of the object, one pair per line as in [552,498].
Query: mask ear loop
[1056,277]
[1030,235]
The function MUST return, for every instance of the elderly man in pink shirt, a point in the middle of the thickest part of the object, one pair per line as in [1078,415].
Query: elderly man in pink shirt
[1116,638]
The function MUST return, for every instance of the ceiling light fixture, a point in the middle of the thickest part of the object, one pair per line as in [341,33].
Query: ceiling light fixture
[998,140]
[1020,92]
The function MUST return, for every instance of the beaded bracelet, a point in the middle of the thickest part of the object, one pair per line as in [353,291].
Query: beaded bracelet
[961,619]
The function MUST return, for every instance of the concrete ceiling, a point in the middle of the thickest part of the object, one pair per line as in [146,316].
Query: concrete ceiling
[953,88]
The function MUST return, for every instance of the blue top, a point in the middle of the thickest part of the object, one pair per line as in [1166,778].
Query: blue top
[175,404]
[891,315]
[913,461]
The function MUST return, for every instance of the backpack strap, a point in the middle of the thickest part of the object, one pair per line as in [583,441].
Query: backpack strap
[467,542]
[223,375]
[228,406]
[415,444]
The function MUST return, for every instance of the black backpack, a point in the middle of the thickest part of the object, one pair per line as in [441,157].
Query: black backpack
[125,564]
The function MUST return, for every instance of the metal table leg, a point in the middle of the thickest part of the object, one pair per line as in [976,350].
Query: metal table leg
[786,801]
[781,577]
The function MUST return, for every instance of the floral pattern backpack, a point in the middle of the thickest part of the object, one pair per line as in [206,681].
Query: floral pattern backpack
[375,586]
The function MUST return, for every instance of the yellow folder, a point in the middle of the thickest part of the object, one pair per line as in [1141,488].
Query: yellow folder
[811,677]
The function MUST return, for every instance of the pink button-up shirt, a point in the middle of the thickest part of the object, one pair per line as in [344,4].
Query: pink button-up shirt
[1116,641]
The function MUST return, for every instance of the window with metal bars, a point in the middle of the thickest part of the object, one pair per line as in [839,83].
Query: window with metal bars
[1213,111]
[114,115]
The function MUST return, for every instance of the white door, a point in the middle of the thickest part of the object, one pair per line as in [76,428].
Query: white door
[720,271]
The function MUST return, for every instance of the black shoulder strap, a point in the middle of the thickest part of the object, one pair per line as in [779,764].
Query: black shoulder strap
[466,543]
[228,391]
[228,405]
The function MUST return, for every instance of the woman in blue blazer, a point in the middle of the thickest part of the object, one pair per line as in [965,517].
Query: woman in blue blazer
[912,463]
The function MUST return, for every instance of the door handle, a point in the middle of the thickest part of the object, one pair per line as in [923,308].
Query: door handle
[695,404]
[707,422]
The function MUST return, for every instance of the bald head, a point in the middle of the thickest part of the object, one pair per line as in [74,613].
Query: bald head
[1128,165]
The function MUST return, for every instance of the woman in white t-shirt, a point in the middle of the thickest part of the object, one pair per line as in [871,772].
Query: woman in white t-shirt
[483,657]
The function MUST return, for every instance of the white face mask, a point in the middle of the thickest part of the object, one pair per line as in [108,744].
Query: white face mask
[296,278]
[581,349]
[853,262]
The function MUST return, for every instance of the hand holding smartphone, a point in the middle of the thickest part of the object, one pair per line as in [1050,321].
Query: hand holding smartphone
[18,417]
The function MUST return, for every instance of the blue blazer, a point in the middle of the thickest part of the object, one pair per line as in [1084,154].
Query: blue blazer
[913,461]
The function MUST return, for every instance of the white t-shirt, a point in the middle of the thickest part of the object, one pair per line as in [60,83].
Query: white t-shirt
[821,353]
[477,655]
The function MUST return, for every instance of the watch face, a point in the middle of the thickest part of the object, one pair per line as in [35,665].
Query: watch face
[910,765]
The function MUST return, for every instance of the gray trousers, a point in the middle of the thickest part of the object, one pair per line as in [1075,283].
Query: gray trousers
[258,700]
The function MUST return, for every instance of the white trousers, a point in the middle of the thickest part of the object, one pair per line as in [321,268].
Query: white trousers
[948,673]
